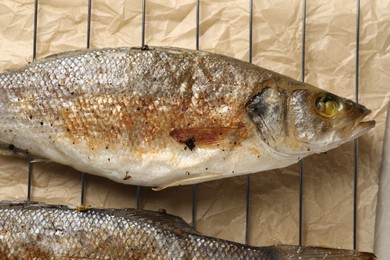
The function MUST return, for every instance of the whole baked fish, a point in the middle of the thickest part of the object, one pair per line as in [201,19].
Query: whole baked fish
[46,231]
[167,116]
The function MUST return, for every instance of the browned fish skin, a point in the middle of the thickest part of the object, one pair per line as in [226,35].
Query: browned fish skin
[46,231]
[112,94]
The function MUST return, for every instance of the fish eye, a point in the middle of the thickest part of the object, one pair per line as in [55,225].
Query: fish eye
[327,105]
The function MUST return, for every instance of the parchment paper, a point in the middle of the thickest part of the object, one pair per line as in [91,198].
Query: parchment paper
[382,227]
[224,28]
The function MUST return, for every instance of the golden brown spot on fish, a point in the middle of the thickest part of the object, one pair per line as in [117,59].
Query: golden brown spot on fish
[28,251]
[148,120]
[253,151]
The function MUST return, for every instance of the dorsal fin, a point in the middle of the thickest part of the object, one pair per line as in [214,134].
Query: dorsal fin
[164,220]
[64,54]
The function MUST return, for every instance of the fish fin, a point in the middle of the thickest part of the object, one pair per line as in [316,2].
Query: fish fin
[190,180]
[63,54]
[204,136]
[172,223]
[40,160]
[296,252]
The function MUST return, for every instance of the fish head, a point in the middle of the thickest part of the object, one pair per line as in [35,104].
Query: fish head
[301,119]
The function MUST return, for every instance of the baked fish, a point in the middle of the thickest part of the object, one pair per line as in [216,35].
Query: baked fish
[162,117]
[43,231]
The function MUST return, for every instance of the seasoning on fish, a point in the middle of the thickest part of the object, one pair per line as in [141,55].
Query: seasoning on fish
[167,116]
[48,231]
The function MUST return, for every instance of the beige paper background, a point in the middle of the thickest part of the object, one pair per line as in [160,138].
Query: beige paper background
[224,28]
[382,225]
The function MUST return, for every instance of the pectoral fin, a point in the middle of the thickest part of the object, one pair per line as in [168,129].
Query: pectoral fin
[204,136]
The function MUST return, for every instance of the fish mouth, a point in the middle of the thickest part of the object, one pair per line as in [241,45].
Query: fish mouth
[362,127]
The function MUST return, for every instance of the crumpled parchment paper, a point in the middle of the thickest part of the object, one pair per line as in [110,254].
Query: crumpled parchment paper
[382,227]
[224,28]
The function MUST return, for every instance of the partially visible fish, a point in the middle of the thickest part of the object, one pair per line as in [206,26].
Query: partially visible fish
[47,231]
[162,117]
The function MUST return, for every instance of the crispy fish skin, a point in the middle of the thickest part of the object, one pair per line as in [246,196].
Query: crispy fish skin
[167,116]
[48,231]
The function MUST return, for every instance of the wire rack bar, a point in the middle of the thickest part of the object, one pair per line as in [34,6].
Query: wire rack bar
[300,225]
[356,142]
[82,196]
[248,178]
[250,30]
[30,164]
[83,174]
[303,41]
[35,30]
[29,180]
[197,23]
[138,197]
[89,24]
[197,48]
[193,212]
[143,21]
[138,190]
[247,208]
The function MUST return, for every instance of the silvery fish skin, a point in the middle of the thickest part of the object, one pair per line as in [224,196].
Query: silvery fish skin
[48,231]
[162,117]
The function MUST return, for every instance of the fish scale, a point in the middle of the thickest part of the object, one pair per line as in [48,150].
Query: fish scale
[160,116]
[37,230]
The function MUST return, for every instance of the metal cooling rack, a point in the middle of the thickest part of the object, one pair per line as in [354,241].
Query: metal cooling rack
[248,180]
